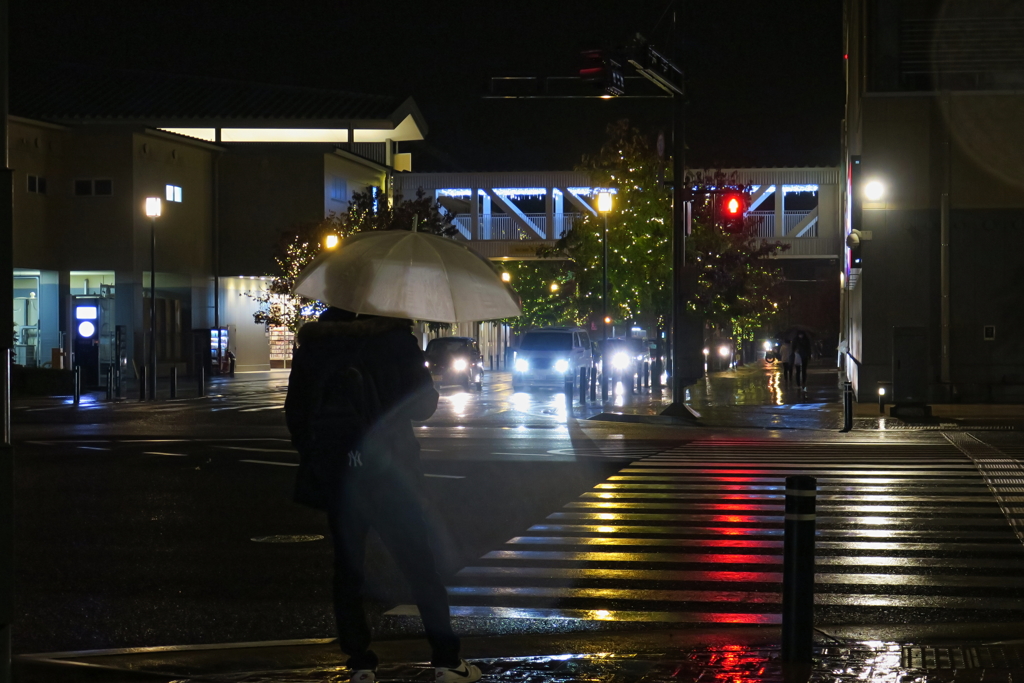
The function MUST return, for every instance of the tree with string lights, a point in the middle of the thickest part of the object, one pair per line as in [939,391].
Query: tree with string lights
[737,283]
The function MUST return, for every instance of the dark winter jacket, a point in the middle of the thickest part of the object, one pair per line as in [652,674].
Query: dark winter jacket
[802,345]
[400,390]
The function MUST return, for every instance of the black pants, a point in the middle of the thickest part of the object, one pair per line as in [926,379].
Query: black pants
[787,371]
[389,504]
[801,374]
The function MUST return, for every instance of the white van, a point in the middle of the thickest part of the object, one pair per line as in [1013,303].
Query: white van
[550,356]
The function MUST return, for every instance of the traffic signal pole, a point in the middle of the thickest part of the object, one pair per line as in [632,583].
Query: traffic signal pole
[687,329]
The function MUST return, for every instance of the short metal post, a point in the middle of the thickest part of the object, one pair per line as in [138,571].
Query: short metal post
[201,380]
[847,406]
[78,384]
[881,399]
[583,385]
[110,383]
[174,381]
[142,383]
[798,571]
[593,383]
[604,383]
[492,361]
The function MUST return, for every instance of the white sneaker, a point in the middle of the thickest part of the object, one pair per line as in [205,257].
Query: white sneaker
[363,676]
[463,673]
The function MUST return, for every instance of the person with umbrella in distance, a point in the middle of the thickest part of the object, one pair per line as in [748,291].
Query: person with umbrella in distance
[358,380]
[801,358]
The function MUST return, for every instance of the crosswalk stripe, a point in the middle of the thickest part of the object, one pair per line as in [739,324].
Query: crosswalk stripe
[695,535]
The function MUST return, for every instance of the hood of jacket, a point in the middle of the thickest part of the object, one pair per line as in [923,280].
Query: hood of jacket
[360,327]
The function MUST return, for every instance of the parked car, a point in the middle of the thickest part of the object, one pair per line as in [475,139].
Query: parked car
[455,360]
[550,356]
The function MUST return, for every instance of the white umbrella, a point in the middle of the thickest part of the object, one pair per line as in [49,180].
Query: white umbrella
[404,274]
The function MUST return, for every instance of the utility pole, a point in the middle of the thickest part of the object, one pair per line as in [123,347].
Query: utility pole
[6,346]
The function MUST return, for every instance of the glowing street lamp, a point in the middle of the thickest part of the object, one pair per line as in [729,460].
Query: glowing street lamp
[506,277]
[153,212]
[331,241]
[874,190]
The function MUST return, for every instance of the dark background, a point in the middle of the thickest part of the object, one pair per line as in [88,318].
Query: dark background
[765,80]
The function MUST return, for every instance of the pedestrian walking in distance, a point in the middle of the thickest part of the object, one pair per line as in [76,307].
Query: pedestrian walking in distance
[801,358]
[356,384]
[786,353]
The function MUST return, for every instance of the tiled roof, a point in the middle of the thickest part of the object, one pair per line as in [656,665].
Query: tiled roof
[65,93]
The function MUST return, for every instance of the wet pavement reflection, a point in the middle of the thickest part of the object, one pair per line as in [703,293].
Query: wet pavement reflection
[841,662]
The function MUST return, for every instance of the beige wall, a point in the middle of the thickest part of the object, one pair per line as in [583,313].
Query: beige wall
[357,177]
[265,189]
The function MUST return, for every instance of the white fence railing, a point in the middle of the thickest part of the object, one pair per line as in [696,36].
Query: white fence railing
[763,223]
[501,227]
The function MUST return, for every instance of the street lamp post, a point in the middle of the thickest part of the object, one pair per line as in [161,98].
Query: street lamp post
[604,205]
[153,212]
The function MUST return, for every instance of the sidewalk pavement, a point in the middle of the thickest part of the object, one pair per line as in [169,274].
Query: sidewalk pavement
[981,653]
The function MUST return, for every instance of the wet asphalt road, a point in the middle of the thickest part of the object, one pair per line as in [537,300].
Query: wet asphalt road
[160,524]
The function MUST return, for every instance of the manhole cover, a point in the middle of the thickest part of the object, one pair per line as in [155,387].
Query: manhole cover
[296,538]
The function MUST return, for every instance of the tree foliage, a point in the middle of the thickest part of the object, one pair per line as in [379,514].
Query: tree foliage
[737,282]
[302,242]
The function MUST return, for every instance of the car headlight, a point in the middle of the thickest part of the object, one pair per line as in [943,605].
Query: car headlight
[620,361]
[561,365]
[460,364]
[767,346]
[522,365]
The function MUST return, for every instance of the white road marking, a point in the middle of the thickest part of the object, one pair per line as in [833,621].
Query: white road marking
[259,450]
[94,448]
[539,455]
[271,462]
[444,476]
[180,455]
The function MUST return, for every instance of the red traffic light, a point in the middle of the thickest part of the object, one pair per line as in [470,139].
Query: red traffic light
[732,207]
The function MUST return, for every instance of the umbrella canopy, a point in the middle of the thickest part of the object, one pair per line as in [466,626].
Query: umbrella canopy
[404,274]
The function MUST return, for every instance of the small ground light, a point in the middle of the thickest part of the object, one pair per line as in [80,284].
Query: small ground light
[505,277]
[331,241]
[874,190]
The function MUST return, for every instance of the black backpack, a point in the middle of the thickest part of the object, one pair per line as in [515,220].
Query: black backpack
[345,409]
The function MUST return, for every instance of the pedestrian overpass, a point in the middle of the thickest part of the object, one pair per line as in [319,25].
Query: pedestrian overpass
[512,216]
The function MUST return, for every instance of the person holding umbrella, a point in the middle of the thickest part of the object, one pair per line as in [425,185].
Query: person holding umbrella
[358,380]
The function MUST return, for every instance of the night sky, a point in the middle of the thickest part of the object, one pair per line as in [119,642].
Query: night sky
[765,80]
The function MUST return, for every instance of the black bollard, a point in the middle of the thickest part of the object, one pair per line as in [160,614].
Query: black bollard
[798,571]
[174,381]
[583,385]
[593,383]
[78,384]
[847,406]
[110,383]
[604,384]
[200,381]
[142,383]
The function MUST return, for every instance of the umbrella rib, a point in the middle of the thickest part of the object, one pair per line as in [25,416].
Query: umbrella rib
[446,278]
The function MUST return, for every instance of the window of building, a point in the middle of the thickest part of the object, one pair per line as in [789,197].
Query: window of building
[173,193]
[36,184]
[101,187]
[339,188]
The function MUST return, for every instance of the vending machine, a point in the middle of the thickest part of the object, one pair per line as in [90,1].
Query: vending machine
[211,349]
